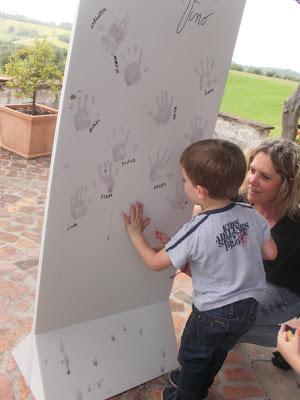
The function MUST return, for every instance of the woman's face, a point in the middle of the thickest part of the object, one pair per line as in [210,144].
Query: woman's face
[263,181]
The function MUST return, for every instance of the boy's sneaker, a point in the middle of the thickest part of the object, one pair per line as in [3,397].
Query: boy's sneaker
[168,393]
[174,379]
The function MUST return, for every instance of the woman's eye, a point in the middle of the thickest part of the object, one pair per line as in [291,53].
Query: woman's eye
[266,177]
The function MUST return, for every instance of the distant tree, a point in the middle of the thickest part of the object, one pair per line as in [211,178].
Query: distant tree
[291,115]
[64,38]
[34,67]
[65,25]
[6,49]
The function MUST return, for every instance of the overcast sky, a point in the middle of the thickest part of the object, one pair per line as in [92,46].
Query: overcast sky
[269,34]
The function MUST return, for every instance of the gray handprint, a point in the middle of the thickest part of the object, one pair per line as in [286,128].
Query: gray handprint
[78,202]
[158,164]
[118,144]
[198,129]
[107,174]
[164,108]
[205,74]
[115,35]
[132,71]
[82,115]
[178,200]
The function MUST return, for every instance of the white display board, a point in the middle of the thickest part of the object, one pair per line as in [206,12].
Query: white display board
[144,80]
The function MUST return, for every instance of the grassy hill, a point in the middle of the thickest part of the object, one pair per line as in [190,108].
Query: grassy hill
[257,97]
[24,33]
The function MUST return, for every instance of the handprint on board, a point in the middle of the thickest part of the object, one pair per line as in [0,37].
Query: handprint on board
[164,108]
[158,164]
[198,129]
[205,73]
[112,39]
[79,202]
[118,144]
[132,71]
[178,201]
[107,174]
[81,116]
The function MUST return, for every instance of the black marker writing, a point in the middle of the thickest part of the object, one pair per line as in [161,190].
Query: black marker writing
[94,124]
[97,17]
[191,15]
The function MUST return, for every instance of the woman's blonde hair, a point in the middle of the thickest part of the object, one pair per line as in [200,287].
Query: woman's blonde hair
[285,156]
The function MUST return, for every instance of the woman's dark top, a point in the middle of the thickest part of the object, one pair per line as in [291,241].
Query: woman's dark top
[285,269]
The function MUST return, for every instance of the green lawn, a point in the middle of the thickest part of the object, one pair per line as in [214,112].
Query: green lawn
[257,97]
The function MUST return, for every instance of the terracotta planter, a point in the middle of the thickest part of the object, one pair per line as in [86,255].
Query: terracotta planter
[29,136]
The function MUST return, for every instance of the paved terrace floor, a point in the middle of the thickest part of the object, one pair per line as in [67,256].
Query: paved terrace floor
[247,374]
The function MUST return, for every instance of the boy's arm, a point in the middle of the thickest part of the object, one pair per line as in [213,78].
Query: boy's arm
[135,224]
[269,250]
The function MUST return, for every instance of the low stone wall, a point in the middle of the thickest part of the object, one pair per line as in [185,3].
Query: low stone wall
[44,96]
[241,131]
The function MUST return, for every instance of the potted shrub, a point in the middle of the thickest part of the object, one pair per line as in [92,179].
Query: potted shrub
[28,129]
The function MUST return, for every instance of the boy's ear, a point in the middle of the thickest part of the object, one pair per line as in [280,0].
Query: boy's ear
[202,191]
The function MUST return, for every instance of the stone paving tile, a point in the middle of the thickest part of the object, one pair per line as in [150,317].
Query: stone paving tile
[23,185]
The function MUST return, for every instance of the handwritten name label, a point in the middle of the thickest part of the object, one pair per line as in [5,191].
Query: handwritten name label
[72,226]
[208,91]
[116,64]
[175,112]
[127,162]
[106,196]
[159,186]
[97,17]
[94,124]
[190,15]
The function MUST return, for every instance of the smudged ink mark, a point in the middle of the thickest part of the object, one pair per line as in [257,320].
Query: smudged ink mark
[158,164]
[96,361]
[113,338]
[109,226]
[141,331]
[65,359]
[162,369]
[79,395]
[132,71]
[163,353]
[99,383]
[89,388]
[46,361]
[125,328]
[164,108]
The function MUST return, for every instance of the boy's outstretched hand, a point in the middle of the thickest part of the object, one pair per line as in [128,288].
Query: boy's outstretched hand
[135,222]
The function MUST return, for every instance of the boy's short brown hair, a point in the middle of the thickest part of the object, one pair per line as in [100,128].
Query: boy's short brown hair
[218,165]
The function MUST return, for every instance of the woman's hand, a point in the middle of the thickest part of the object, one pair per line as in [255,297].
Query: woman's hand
[289,346]
[135,222]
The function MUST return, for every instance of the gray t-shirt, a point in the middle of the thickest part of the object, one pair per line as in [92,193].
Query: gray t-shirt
[223,248]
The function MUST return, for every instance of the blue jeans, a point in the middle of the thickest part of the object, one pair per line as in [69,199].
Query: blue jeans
[278,306]
[206,340]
